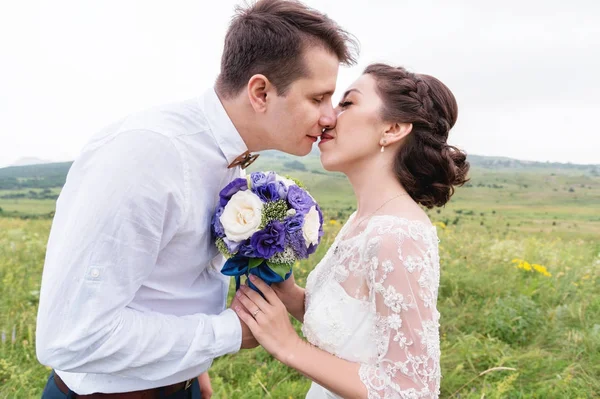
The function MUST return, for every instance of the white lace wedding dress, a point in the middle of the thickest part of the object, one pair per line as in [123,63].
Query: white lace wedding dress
[372,300]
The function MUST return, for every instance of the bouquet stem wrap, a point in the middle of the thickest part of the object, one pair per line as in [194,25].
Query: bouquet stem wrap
[238,266]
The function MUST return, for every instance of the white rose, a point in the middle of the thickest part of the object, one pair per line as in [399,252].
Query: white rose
[242,215]
[310,230]
[286,182]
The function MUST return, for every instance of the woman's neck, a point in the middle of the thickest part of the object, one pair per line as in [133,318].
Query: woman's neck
[375,187]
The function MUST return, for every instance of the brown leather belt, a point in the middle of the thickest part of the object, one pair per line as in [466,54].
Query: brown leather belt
[154,393]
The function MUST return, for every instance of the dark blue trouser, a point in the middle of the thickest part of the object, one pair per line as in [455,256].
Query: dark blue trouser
[51,391]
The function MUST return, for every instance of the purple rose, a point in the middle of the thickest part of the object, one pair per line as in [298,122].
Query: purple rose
[296,241]
[294,223]
[217,227]
[282,190]
[260,179]
[268,192]
[245,249]
[269,240]
[227,192]
[299,199]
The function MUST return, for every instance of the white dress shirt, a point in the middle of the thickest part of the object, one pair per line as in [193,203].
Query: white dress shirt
[132,296]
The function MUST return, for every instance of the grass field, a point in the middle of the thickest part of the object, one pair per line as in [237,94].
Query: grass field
[519,292]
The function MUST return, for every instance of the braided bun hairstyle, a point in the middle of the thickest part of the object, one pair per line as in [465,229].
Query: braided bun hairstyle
[426,165]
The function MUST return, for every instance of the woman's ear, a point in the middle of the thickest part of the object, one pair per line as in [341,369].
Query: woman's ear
[258,88]
[396,132]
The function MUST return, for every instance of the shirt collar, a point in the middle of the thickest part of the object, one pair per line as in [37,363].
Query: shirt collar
[228,138]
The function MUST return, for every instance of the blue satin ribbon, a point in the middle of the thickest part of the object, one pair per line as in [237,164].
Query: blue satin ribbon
[237,267]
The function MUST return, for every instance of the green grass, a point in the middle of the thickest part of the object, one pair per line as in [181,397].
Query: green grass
[25,206]
[536,336]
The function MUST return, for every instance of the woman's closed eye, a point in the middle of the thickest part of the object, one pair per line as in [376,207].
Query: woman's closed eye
[345,104]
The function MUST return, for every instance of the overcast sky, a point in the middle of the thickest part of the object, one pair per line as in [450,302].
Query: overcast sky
[525,73]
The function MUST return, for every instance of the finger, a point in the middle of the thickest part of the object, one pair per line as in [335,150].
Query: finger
[256,298]
[246,318]
[248,303]
[236,301]
[267,291]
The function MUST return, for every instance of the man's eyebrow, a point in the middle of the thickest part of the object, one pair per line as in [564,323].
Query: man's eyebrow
[324,93]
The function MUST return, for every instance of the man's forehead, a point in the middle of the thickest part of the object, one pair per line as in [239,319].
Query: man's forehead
[322,69]
[319,84]
[316,87]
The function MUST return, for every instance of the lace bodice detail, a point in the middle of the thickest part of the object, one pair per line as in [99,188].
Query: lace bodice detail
[372,300]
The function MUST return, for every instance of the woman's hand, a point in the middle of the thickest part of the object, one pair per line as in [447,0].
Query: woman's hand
[205,386]
[267,318]
[292,297]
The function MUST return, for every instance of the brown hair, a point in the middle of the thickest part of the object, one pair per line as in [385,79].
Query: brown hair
[269,37]
[426,165]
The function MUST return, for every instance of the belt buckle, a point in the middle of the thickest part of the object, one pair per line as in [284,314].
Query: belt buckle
[188,384]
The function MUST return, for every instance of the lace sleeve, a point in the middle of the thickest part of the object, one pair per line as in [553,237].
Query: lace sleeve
[403,284]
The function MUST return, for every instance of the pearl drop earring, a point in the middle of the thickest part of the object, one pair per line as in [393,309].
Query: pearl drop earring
[383,143]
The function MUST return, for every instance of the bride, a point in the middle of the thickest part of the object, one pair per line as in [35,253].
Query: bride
[369,307]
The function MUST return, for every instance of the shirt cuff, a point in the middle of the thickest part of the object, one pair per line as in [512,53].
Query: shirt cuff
[228,333]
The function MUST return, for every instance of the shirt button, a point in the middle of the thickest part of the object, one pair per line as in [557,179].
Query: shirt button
[95,273]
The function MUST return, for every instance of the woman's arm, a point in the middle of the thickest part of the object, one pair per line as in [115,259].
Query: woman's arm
[292,296]
[272,328]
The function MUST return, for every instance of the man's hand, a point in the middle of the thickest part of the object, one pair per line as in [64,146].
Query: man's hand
[248,341]
[206,390]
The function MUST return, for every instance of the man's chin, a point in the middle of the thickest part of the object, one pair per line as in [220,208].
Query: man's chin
[300,150]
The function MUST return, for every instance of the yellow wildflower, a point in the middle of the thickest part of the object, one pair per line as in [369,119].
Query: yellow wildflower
[524,265]
[542,270]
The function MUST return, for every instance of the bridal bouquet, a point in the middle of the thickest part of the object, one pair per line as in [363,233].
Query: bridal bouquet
[263,225]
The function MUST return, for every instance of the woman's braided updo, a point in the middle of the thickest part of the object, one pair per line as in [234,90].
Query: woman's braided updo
[426,165]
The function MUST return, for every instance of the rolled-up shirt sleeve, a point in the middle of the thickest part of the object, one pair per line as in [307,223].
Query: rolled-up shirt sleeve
[123,201]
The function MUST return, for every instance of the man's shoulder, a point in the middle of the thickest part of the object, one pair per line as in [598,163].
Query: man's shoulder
[175,119]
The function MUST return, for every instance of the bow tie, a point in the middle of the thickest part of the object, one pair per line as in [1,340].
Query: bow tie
[243,160]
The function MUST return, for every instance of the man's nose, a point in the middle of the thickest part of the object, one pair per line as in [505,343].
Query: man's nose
[328,118]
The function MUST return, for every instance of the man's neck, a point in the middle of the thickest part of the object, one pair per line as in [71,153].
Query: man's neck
[244,120]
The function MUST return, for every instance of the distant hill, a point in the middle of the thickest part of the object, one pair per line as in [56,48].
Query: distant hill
[47,175]
[34,176]
[510,163]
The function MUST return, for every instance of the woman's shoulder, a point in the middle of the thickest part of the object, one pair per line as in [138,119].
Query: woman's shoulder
[398,223]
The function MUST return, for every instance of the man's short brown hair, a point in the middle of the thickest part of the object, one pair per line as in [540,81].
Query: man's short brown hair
[269,37]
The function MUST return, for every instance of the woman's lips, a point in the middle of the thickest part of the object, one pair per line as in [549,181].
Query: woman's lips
[324,138]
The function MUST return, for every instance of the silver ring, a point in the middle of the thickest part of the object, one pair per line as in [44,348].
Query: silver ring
[255,313]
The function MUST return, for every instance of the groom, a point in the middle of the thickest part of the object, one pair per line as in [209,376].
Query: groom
[132,302]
